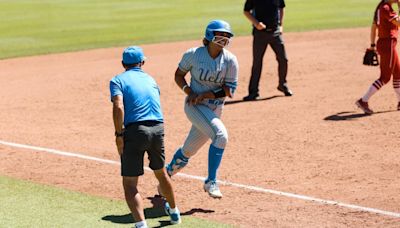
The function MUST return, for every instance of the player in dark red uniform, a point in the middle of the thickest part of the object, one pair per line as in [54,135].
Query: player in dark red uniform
[386,22]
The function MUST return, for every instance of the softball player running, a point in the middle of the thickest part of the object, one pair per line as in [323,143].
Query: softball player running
[214,75]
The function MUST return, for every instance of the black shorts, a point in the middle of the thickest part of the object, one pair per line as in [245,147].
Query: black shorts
[140,137]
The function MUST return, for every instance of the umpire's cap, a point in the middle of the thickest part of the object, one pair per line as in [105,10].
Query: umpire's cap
[132,55]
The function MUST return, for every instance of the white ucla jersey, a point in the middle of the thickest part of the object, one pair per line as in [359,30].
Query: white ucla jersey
[208,73]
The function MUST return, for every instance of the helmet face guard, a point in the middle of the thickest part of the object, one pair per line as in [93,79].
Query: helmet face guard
[218,26]
[221,41]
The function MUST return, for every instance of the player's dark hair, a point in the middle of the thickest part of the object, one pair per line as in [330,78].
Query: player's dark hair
[376,19]
[129,66]
[205,42]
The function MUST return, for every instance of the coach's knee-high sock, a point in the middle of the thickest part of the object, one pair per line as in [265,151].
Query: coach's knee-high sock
[214,160]
[372,90]
[396,86]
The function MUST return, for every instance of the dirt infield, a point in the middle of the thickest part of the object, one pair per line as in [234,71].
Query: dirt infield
[315,143]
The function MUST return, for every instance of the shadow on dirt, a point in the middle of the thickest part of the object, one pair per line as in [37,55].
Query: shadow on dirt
[197,210]
[157,211]
[257,100]
[351,115]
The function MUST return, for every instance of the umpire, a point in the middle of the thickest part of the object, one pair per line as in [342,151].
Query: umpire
[266,17]
[136,105]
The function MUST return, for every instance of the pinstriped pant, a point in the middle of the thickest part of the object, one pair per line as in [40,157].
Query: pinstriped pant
[206,124]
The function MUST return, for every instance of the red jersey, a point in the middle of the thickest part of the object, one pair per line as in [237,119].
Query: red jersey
[384,14]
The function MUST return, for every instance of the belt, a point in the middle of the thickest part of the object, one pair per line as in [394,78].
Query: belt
[144,122]
[271,29]
[215,102]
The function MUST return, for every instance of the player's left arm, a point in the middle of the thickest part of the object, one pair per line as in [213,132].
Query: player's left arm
[222,91]
[374,28]
[396,21]
[390,15]
[281,14]
[231,79]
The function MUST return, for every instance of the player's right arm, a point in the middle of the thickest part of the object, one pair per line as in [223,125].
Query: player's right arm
[257,24]
[184,66]
[248,12]
[181,81]
[193,98]
[374,28]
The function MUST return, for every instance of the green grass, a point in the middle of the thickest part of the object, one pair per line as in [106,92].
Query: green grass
[303,15]
[25,204]
[48,26]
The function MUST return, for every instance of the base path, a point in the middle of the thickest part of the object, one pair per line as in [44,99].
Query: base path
[316,143]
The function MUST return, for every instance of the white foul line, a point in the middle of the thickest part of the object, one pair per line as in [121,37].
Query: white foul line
[227,183]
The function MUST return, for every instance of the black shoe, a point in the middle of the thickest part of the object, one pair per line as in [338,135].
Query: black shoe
[250,97]
[285,89]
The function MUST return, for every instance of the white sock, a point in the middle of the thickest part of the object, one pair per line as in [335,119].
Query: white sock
[141,224]
[372,90]
[397,90]
[173,210]
[396,86]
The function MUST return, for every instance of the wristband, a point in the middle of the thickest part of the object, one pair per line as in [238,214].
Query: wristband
[373,45]
[218,93]
[184,87]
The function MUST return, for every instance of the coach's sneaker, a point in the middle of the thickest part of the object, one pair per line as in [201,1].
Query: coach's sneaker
[364,106]
[174,214]
[285,89]
[212,188]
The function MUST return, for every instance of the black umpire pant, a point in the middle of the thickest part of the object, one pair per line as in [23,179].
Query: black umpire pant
[261,40]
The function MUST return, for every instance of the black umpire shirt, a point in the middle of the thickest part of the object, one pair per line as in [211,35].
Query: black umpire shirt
[265,11]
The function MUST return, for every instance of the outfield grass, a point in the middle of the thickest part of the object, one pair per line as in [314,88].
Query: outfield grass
[25,204]
[48,26]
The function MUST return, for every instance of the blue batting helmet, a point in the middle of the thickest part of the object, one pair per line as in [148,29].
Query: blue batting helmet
[217,26]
